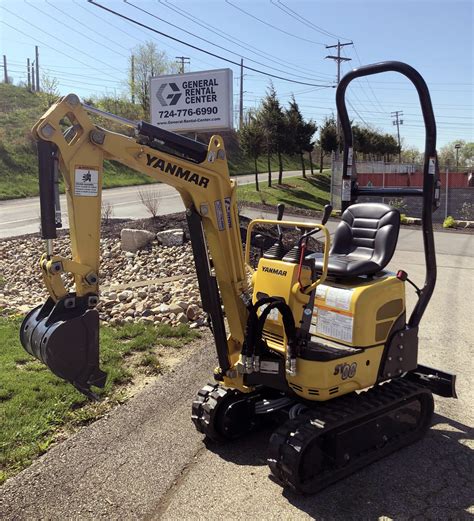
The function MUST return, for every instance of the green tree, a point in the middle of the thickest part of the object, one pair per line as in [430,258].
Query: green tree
[328,141]
[272,121]
[252,142]
[300,132]
[148,62]
[447,154]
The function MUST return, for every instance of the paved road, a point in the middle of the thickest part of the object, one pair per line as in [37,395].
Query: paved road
[20,216]
[146,461]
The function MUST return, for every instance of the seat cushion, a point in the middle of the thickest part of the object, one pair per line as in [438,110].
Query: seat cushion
[345,265]
[364,242]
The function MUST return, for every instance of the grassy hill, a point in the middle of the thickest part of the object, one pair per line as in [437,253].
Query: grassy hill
[19,111]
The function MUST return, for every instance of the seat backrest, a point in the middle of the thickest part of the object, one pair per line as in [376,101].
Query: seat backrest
[369,231]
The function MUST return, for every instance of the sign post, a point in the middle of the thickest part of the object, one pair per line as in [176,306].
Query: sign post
[194,101]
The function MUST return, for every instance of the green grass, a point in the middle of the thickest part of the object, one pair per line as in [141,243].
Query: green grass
[19,111]
[297,192]
[35,404]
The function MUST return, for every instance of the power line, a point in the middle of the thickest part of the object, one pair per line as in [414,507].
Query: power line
[88,28]
[272,26]
[49,46]
[55,37]
[206,40]
[283,7]
[235,40]
[136,22]
[61,22]
[131,35]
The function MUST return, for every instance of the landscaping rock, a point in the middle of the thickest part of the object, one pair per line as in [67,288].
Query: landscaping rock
[171,237]
[133,240]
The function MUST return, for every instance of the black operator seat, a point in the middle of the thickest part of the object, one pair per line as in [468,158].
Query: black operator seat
[364,241]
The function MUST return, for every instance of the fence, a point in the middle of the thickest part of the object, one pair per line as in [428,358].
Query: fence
[459,191]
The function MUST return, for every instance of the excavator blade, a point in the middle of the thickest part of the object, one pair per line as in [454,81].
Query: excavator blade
[65,337]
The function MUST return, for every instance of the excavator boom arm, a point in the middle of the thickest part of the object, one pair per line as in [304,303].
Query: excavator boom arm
[205,187]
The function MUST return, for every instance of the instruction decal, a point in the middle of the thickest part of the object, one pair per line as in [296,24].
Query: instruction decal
[227,211]
[339,298]
[333,324]
[86,182]
[219,215]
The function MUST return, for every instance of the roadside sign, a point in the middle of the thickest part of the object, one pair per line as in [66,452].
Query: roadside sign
[192,101]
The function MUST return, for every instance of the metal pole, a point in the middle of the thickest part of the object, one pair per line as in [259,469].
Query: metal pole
[5,71]
[446,193]
[241,106]
[28,70]
[33,80]
[37,69]
[132,86]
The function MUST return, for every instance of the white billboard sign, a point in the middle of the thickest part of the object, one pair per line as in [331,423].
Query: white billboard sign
[192,101]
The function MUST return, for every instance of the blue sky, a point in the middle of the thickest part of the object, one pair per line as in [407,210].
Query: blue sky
[87,49]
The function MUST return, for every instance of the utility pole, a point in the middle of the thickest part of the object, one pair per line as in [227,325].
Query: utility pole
[28,70]
[398,122]
[33,81]
[132,79]
[183,60]
[5,71]
[338,59]
[37,69]
[241,105]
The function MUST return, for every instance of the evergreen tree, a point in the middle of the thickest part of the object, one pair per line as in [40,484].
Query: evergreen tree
[328,141]
[300,132]
[252,142]
[272,121]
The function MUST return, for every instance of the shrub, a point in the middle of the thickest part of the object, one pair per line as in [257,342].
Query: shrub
[399,204]
[467,211]
[449,222]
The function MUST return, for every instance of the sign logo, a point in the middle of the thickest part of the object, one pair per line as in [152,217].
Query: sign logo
[173,96]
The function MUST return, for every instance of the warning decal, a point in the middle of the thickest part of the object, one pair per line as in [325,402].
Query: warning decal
[86,182]
[432,166]
[339,298]
[227,211]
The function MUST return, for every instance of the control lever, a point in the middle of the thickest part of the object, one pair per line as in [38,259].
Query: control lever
[260,240]
[280,212]
[326,214]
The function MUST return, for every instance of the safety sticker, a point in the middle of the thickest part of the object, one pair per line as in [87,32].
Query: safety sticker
[321,291]
[267,366]
[227,211]
[346,190]
[432,166]
[339,298]
[219,214]
[86,182]
[334,325]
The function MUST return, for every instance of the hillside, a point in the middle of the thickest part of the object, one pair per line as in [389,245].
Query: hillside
[20,109]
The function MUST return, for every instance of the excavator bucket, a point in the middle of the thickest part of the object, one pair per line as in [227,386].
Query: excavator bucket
[65,337]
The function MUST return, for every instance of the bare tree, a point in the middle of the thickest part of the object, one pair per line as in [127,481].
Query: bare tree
[107,211]
[150,200]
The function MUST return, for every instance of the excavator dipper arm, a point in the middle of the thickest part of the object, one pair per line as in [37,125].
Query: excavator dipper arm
[201,177]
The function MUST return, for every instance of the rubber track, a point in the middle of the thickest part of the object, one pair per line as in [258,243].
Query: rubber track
[289,442]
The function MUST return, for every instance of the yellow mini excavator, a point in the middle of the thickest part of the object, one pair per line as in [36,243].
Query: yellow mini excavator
[318,343]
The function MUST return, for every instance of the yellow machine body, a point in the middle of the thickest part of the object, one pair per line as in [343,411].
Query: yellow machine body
[355,318]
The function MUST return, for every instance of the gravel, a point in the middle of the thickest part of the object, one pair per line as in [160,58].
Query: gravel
[135,287]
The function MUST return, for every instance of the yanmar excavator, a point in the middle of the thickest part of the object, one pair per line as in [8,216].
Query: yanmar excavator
[319,343]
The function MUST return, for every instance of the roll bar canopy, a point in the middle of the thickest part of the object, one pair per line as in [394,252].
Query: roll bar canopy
[430,190]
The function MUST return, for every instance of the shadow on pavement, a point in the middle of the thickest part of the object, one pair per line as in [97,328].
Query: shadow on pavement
[431,479]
